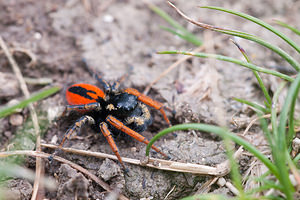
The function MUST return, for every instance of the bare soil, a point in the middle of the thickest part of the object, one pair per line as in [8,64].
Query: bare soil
[113,37]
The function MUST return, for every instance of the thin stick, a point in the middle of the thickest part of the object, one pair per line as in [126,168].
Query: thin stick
[253,121]
[170,192]
[170,68]
[191,20]
[221,169]
[33,114]
[62,160]
[205,187]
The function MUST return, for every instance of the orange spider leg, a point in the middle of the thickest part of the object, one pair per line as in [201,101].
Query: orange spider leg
[150,102]
[105,131]
[120,126]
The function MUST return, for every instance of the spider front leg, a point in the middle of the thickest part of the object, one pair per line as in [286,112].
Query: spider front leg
[150,102]
[83,107]
[107,134]
[120,126]
[74,129]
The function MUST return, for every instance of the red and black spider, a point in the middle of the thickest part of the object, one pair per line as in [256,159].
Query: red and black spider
[110,111]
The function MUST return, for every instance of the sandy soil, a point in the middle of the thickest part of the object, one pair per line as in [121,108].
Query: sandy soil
[113,37]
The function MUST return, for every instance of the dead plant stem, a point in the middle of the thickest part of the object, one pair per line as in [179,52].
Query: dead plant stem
[33,114]
[62,160]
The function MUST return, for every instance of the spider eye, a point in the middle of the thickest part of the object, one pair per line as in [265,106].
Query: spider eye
[124,102]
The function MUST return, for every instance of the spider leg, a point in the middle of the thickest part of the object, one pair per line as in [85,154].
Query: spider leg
[95,74]
[116,85]
[73,129]
[120,126]
[150,102]
[83,107]
[106,132]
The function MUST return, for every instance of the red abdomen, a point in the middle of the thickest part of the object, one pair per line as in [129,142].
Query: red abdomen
[83,93]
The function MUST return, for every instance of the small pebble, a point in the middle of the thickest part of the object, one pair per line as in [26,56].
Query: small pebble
[37,35]
[11,85]
[7,134]
[16,120]
[14,102]
[54,139]
[133,149]
[221,182]
[108,18]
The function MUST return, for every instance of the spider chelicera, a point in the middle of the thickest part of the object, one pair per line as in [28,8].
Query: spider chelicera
[110,111]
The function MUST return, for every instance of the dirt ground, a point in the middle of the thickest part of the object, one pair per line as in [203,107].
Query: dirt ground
[113,37]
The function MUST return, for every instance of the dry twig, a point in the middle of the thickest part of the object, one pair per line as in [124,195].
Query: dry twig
[170,192]
[221,169]
[203,25]
[205,187]
[253,121]
[62,160]
[33,114]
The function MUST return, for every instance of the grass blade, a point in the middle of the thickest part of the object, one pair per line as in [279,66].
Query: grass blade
[234,172]
[35,97]
[280,152]
[297,158]
[183,36]
[257,76]
[297,31]
[252,104]
[264,187]
[186,35]
[259,22]
[274,114]
[232,60]
[247,36]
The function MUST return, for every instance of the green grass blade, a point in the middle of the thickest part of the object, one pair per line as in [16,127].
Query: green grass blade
[35,97]
[174,32]
[293,168]
[274,115]
[247,36]
[257,76]
[297,158]
[252,104]
[182,36]
[259,22]
[179,29]
[273,197]
[234,172]
[232,60]
[264,187]
[291,131]
[166,17]
[291,96]
[280,152]
[264,43]
[264,127]
[297,31]
[221,132]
